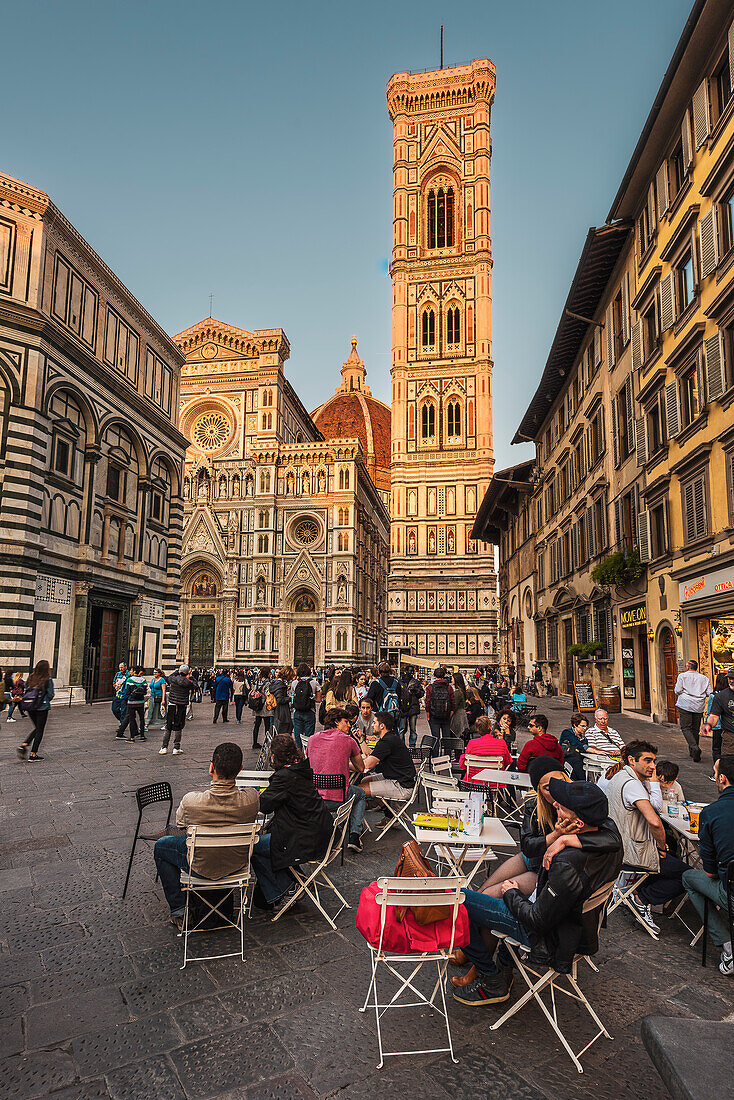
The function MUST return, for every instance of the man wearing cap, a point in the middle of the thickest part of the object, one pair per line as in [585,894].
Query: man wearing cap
[179,689]
[553,924]
[722,706]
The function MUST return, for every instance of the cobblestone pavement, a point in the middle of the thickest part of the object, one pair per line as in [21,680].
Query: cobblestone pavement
[93,1003]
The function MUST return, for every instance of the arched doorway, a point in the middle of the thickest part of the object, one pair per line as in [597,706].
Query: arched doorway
[201,641]
[670,670]
[304,645]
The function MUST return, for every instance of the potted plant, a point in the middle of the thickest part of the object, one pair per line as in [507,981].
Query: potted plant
[575,650]
[592,649]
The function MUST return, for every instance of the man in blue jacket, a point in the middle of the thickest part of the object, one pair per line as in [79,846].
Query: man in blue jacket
[223,693]
[716,842]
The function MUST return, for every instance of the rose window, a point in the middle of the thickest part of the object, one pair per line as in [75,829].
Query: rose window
[307,532]
[211,431]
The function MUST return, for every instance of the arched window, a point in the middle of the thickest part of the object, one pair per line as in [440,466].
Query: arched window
[428,420]
[262,544]
[265,481]
[428,329]
[344,479]
[265,421]
[342,541]
[453,419]
[440,217]
[453,337]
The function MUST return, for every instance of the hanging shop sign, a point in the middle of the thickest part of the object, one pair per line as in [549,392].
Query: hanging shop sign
[628,671]
[630,617]
[718,583]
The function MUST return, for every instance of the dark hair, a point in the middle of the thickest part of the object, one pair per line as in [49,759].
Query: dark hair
[541,720]
[365,699]
[285,673]
[635,749]
[239,676]
[227,760]
[482,725]
[303,670]
[667,770]
[384,669]
[284,751]
[336,714]
[726,766]
[440,673]
[352,710]
[694,665]
[722,681]
[342,687]
[265,672]
[138,670]
[577,718]
[386,719]
[510,714]
[459,681]
[40,676]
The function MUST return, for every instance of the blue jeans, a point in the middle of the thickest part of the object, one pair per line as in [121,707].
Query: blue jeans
[304,722]
[440,727]
[171,858]
[412,735]
[491,913]
[360,803]
[273,884]
[698,887]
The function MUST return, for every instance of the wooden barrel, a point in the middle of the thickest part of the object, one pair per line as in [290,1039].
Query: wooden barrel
[610,698]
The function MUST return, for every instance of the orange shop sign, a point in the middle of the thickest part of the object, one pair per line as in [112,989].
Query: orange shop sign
[707,584]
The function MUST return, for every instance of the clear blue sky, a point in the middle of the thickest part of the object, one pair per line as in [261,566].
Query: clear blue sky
[245,150]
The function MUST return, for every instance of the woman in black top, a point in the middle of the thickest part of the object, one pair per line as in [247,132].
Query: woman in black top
[280,688]
[300,828]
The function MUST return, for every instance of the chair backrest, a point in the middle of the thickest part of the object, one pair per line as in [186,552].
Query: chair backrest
[223,836]
[473,760]
[341,824]
[440,800]
[453,746]
[305,738]
[441,765]
[593,911]
[420,892]
[154,792]
[333,782]
[438,782]
[264,758]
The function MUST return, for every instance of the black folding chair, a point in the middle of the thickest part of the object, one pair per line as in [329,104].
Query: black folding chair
[333,782]
[147,796]
[261,764]
[729,907]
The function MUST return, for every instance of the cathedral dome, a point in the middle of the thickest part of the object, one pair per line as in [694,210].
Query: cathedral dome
[353,413]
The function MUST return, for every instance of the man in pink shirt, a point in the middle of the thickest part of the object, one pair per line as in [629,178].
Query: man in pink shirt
[330,753]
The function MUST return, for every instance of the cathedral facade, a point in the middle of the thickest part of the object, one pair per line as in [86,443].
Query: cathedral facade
[443,588]
[285,544]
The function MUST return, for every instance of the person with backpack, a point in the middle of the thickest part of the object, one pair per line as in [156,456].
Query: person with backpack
[223,695]
[413,693]
[440,704]
[384,692]
[179,689]
[306,695]
[256,702]
[37,698]
[136,689]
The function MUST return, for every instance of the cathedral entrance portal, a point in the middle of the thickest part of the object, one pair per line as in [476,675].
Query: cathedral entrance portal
[304,645]
[201,646]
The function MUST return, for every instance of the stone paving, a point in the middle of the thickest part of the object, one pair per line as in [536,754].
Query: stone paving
[93,1003]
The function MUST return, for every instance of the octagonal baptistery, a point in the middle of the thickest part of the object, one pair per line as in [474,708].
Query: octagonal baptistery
[354,413]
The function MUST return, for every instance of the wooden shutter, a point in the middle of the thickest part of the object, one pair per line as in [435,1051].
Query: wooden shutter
[630,412]
[618,524]
[651,219]
[591,531]
[696,519]
[731,55]
[709,243]
[625,311]
[610,336]
[615,428]
[715,372]
[672,409]
[597,347]
[575,546]
[685,137]
[644,536]
[661,188]
[641,440]
[637,345]
[730,481]
[667,302]
[701,113]
[600,431]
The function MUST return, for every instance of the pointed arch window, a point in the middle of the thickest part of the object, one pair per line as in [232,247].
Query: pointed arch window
[440,227]
[428,329]
[453,331]
[453,420]
[428,420]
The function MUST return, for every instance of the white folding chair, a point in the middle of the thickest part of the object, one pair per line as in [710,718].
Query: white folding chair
[628,881]
[253,779]
[305,738]
[595,765]
[398,811]
[308,882]
[420,892]
[203,837]
[549,980]
[441,765]
[474,762]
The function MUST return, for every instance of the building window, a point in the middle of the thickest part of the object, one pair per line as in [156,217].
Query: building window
[262,544]
[62,457]
[156,506]
[115,481]
[686,285]
[265,481]
[721,86]
[695,508]
[677,174]
[658,530]
[603,629]
[428,420]
[726,208]
[655,429]
[454,420]
[690,395]
[540,640]
[441,217]
[428,329]
[342,541]
[343,479]
[650,330]
[453,339]
[552,639]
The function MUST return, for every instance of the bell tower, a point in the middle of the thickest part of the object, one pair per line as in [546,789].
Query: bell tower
[443,587]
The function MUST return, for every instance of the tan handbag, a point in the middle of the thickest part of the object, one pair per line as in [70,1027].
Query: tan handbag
[411,864]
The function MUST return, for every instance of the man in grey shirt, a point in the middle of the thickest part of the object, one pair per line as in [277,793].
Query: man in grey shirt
[692,689]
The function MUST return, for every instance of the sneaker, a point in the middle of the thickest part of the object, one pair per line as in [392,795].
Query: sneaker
[11,719]
[22,750]
[177,752]
[645,913]
[162,752]
[142,737]
[491,989]
[120,736]
[355,842]
[726,966]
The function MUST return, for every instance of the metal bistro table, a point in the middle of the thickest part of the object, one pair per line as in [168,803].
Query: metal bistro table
[690,851]
[493,834]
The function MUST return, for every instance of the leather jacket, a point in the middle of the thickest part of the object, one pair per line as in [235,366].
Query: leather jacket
[179,688]
[556,926]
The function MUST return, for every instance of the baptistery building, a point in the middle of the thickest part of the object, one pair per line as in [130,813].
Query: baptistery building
[286,530]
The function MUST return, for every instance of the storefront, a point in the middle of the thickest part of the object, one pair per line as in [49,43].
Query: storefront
[635,667]
[707,611]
